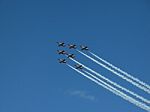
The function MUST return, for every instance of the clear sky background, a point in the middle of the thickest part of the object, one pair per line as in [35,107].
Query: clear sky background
[31,79]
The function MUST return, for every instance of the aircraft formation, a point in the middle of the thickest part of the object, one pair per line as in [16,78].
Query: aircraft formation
[70,46]
[101,80]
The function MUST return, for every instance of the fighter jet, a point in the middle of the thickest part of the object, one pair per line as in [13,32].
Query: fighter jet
[84,48]
[72,46]
[61,52]
[62,61]
[78,66]
[61,44]
[71,56]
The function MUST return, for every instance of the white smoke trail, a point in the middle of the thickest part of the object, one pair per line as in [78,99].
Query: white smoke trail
[121,71]
[114,90]
[128,91]
[118,74]
[112,87]
[113,83]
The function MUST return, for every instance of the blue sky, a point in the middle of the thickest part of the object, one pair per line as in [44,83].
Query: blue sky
[31,80]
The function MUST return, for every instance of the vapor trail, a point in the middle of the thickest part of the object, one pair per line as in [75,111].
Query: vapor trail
[118,74]
[121,71]
[113,83]
[114,90]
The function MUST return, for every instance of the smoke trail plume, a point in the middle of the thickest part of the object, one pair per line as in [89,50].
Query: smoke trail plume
[118,74]
[121,71]
[114,90]
[113,83]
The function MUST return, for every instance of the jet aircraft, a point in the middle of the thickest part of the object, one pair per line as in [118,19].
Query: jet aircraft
[78,66]
[61,52]
[84,48]
[71,56]
[61,44]
[62,61]
[72,46]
